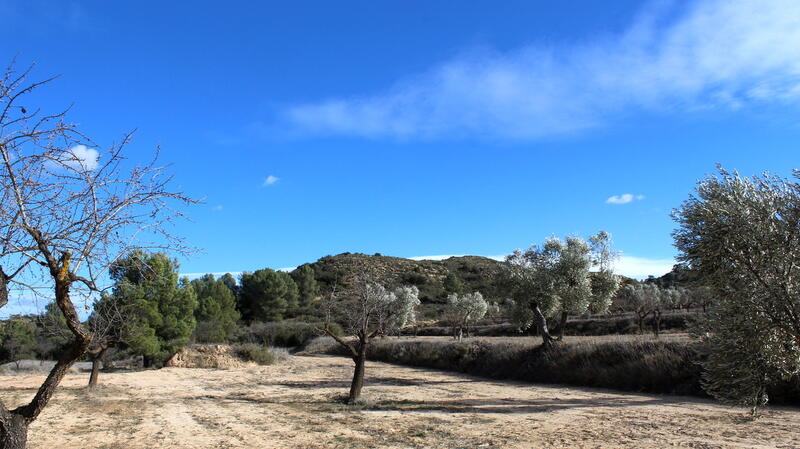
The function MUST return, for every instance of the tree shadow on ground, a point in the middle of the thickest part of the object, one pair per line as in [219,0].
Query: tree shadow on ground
[501,405]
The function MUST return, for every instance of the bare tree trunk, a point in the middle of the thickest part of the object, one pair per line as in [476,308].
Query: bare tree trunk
[640,320]
[13,430]
[14,423]
[541,325]
[657,324]
[97,358]
[561,325]
[3,288]
[358,374]
[95,372]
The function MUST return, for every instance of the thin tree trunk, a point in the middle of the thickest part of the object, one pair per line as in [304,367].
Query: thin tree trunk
[541,326]
[358,373]
[657,319]
[96,362]
[460,334]
[95,372]
[561,325]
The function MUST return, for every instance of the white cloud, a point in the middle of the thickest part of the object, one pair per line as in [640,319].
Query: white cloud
[269,180]
[713,54]
[625,198]
[641,267]
[82,157]
[218,207]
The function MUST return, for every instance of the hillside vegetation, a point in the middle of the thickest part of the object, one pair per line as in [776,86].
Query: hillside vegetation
[434,278]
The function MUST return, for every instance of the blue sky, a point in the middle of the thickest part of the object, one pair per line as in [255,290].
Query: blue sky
[425,128]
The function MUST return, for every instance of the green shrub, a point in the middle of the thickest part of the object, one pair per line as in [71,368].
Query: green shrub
[252,352]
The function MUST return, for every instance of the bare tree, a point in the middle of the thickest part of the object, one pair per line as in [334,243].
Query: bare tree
[109,325]
[67,212]
[367,309]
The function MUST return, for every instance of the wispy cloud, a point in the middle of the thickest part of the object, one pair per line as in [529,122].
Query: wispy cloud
[625,198]
[713,54]
[269,180]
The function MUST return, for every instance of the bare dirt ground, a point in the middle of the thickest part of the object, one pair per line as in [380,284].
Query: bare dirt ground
[294,405]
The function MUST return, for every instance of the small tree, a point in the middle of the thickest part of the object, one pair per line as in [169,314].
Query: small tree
[67,212]
[267,295]
[639,299]
[367,309]
[306,285]
[463,310]
[109,325]
[741,236]
[216,314]
[401,311]
[557,277]
[159,306]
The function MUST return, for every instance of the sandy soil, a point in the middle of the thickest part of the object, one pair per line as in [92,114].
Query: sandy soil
[294,405]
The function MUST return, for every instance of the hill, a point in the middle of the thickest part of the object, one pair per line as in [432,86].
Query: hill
[434,278]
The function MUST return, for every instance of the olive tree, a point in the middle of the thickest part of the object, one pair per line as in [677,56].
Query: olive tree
[557,278]
[463,310]
[742,235]
[67,211]
[367,309]
[402,309]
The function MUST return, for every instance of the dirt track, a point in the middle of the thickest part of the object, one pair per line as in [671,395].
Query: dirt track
[292,405]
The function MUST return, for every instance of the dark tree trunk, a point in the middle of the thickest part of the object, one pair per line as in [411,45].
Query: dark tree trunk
[97,358]
[358,374]
[561,325]
[13,430]
[541,326]
[3,288]
[95,372]
[640,320]
[14,424]
[657,324]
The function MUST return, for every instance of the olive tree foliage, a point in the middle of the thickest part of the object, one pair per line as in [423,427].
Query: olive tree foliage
[742,235]
[401,310]
[463,310]
[367,309]
[646,300]
[67,212]
[557,278]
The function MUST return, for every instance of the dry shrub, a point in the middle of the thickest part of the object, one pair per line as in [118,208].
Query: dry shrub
[644,366]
